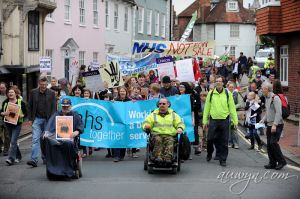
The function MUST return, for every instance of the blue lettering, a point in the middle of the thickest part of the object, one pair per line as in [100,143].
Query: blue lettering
[160,48]
[137,47]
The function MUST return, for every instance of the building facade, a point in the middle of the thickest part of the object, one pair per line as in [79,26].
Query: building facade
[119,26]
[281,21]
[229,24]
[22,41]
[74,36]
[152,20]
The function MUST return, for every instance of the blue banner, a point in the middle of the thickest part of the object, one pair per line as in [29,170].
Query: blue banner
[129,67]
[118,124]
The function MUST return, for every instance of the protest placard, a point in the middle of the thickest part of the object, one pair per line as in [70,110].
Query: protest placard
[175,48]
[64,127]
[93,80]
[184,70]
[45,64]
[165,67]
[111,74]
[13,111]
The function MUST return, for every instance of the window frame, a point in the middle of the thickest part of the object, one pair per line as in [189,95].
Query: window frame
[163,26]
[81,58]
[67,7]
[284,65]
[95,13]
[157,24]
[126,18]
[234,33]
[106,14]
[95,53]
[82,12]
[33,37]
[149,22]
[141,14]
[116,16]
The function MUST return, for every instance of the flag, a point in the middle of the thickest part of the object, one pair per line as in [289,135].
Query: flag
[196,69]
[189,28]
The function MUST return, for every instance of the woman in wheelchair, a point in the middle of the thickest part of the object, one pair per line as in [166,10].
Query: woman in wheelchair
[164,124]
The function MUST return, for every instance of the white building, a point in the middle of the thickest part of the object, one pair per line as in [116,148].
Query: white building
[230,25]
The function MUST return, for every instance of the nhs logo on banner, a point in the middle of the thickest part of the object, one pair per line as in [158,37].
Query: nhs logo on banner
[119,124]
[147,47]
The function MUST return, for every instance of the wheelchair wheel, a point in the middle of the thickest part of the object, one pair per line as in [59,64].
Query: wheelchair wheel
[174,170]
[150,170]
[178,165]
[146,164]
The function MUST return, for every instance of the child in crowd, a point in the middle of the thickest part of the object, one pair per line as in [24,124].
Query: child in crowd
[253,112]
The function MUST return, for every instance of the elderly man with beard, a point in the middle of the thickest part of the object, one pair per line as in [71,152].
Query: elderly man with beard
[66,110]
[164,124]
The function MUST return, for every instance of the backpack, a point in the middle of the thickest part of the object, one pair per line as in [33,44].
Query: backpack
[227,95]
[285,107]
[184,147]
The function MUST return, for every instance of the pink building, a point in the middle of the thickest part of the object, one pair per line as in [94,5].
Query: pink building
[74,35]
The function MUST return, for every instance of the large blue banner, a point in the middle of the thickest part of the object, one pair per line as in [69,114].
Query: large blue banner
[129,67]
[118,124]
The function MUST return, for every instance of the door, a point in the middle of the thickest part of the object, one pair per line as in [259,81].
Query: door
[67,67]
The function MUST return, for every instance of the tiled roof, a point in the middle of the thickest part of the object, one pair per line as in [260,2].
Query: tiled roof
[190,9]
[219,15]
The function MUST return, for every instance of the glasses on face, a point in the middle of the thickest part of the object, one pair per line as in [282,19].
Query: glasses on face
[162,103]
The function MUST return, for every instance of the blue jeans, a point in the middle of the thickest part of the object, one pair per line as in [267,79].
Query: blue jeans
[233,137]
[14,132]
[38,128]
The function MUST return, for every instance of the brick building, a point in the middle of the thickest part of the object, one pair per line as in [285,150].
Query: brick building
[281,20]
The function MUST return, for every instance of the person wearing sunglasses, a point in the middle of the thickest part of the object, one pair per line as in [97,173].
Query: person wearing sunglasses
[164,124]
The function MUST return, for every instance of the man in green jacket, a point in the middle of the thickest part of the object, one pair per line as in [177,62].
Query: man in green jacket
[164,124]
[219,110]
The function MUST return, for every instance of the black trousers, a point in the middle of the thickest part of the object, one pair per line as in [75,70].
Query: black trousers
[274,151]
[218,134]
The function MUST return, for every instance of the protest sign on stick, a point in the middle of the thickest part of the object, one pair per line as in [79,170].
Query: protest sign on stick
[184,70]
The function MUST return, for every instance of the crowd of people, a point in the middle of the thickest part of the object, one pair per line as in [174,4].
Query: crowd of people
[217,99]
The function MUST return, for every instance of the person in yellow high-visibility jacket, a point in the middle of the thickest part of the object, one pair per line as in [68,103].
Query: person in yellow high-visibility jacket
[219,110]
[269,61]
[164,124]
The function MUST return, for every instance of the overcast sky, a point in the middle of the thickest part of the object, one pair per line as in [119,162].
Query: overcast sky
[180,5]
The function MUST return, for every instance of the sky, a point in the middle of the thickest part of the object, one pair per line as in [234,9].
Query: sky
[180,5]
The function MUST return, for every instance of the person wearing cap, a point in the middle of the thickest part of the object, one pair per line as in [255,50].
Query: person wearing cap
[167,89]
[66,110]
[42,104]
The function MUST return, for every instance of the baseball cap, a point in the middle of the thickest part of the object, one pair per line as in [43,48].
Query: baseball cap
[166,79]
[258,75]
[66,102]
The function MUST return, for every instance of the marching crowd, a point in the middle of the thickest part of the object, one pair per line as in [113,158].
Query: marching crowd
[217,103]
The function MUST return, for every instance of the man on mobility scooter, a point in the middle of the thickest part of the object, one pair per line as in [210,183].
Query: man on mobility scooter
[163,124]
[62,156]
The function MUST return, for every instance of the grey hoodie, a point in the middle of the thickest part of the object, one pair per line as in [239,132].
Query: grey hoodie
[273,110]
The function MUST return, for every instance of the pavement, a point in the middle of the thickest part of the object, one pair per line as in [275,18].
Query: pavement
[288,142]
